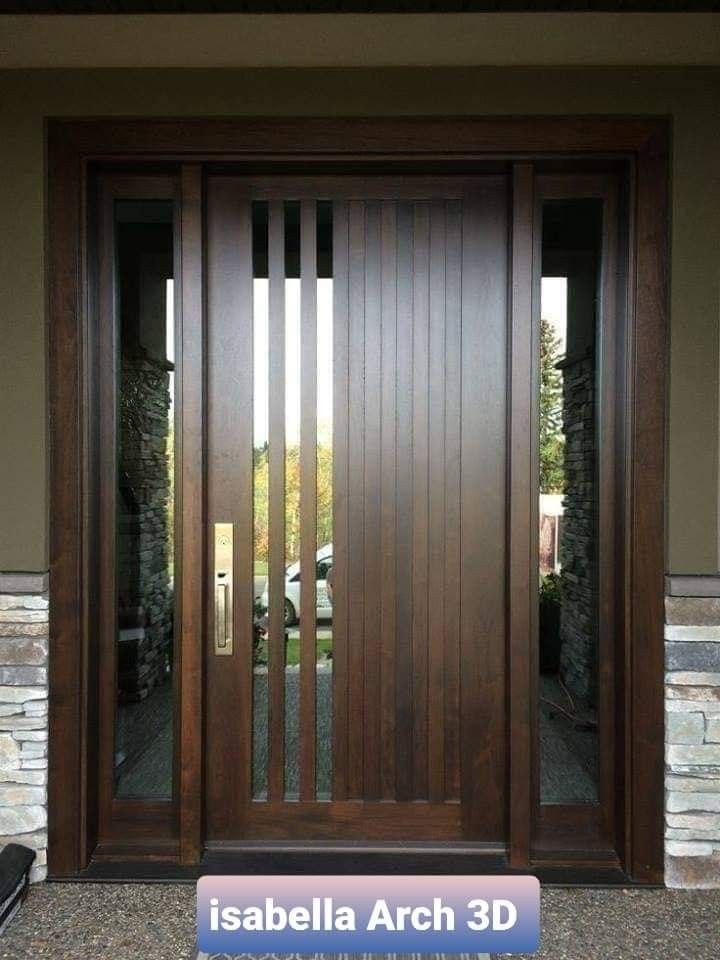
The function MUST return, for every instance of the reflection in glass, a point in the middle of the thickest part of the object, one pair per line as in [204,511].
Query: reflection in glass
[145,499]
[292,499]
[323,784]
[261,320]
[568,509]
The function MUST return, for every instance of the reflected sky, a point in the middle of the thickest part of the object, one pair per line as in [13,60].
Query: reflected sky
[292,347]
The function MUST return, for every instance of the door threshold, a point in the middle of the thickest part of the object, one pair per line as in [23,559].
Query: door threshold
[171,872]
[355,857]
[347,859]
[459,847]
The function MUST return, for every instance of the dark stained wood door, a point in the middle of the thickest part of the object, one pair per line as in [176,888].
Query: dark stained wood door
[384,454]
[384,686]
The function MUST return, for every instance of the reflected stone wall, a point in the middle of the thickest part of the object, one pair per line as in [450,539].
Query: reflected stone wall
[578,538]
[145,602]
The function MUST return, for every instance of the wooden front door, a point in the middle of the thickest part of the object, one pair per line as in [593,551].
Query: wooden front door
[365,382]
[356,423]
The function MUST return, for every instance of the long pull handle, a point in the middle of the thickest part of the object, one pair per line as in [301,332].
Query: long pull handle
[221,632]
[223,589]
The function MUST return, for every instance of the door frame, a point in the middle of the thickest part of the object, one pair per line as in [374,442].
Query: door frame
[74,146]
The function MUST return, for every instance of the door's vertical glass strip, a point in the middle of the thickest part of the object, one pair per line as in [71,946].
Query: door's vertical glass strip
[325,578]
[276,497]
[293,571]
[308,499]
[145,498]
[260,413]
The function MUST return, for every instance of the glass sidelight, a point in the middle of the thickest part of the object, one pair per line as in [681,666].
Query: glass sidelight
[569,454]
[145,498]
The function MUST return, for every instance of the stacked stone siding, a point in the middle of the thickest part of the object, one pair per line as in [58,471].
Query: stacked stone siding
[24,714]
[692,735]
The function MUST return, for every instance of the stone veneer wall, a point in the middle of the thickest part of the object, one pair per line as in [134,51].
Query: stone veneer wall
[578,530]
[24,713]
[692,735]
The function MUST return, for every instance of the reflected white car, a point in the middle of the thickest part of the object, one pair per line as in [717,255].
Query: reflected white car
[292,588]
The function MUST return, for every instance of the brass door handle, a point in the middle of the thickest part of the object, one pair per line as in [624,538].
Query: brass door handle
[223,578]
[221,615]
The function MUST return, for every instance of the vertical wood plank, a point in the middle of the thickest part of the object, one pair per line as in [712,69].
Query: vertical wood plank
[108,382]
[523,565]
[230,495]
[276,501]
[67,425]
[404,513]
[356,508]
[608,587]
[646,505]
[340,500]
[244,588]
[453,397]
[437,614]
[420,412]
[388,473]
[192,522]
[483,479]
[371,532]
[89,580]
[308,495]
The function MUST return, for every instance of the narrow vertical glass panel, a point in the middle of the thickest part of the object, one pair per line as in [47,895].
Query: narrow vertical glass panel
[568,508]
[144,270]
[323,748]
[261,320]
[292,498]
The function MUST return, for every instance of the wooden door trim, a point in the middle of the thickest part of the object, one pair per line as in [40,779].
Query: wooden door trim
[593,824]
[522,555]
[191,381]
[73,145]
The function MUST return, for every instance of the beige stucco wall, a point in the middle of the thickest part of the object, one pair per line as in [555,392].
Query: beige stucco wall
[690,96]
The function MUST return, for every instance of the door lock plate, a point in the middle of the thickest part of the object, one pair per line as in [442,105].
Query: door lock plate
[223,587]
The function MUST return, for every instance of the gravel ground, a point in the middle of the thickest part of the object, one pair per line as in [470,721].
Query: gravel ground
[156,922]
[598,924]
[93,921]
